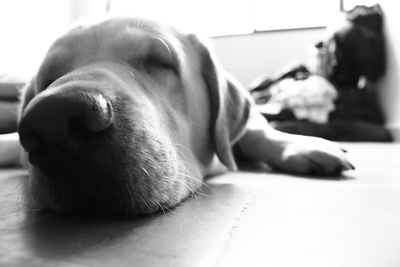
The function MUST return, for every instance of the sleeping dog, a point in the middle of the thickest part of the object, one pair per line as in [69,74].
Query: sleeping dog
[128,116]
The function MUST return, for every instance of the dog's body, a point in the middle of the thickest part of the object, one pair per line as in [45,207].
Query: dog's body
[128,116]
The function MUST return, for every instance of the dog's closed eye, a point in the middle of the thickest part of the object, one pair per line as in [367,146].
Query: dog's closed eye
[159,63]
[160,56]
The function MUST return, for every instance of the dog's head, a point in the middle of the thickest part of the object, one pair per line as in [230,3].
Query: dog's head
[126,116]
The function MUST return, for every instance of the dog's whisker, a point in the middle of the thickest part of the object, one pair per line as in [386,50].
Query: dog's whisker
[200,193]
[164,207]
[192,192]
[202,183]
[147,205]
[185,173]
[169,210]
[195,192]
[145,171]
[186,164]
[159,205]
[185,185]
[182,153]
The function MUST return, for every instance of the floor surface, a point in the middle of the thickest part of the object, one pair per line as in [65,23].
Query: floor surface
[248,218]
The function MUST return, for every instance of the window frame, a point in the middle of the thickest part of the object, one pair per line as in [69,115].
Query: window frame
[253,29]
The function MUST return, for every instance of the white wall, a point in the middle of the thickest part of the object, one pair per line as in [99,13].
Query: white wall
[247,56]
[87,9]
[390,84]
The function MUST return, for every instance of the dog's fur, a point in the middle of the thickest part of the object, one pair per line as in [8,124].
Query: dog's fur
[128,116]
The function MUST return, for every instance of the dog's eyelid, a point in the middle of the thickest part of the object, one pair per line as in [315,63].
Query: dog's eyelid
[156,60]
[160,62]
[160,54]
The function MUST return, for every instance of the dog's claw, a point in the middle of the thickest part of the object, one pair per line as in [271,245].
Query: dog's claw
[352,166]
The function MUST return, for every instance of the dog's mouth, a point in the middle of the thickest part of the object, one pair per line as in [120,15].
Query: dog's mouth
[104,186]
[96,151]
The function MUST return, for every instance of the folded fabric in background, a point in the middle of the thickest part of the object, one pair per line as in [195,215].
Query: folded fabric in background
[9,96]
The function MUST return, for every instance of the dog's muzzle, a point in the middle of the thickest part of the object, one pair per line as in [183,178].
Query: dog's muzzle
[101,144]
[62,118]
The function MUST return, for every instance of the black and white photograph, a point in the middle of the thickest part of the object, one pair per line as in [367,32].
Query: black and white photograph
[212,133]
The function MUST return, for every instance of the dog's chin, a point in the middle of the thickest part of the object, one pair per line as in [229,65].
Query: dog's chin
[112,198]
[153,180]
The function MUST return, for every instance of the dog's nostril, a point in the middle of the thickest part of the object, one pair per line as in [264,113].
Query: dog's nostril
[34,144]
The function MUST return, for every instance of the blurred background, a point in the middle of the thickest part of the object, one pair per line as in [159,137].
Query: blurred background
[251,37]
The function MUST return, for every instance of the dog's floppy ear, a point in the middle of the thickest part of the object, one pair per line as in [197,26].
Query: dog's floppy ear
[230,104]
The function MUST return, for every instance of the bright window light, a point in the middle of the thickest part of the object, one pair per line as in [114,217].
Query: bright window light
[228,17]
[210,17]
[293,14]
[27,29]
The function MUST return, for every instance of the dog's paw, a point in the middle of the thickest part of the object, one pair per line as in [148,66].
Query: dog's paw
[312,155]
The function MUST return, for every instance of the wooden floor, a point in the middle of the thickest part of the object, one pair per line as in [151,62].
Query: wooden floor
[247,218]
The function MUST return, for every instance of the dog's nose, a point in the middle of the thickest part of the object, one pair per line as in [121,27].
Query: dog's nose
[62,121]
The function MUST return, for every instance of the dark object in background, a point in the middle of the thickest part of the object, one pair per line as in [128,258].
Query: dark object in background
[260,87]
[352,58]
[359,47]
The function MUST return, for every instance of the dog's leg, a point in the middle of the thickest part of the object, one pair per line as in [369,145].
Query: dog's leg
[291,153]
[10,150]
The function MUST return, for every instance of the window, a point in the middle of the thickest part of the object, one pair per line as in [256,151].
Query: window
[228,17]
[293,14]
[27,29]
